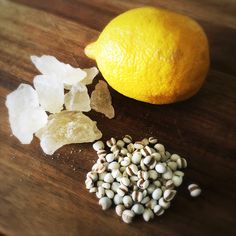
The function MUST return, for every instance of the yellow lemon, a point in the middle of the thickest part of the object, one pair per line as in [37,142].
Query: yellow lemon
[152,55]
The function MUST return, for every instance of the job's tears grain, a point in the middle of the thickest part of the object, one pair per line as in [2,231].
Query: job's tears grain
[138,177]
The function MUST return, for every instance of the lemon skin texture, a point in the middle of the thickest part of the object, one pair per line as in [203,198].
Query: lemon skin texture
[152,55]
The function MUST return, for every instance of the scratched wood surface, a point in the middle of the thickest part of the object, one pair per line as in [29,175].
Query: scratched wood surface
[45,195]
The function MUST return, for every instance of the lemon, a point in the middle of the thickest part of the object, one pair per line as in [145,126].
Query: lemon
[152,55]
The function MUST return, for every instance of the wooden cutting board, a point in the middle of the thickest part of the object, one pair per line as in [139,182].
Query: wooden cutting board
[46,195]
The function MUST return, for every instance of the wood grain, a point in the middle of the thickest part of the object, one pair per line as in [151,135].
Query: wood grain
[45,195]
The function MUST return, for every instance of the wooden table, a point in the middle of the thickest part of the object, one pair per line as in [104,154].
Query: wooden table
[46,195]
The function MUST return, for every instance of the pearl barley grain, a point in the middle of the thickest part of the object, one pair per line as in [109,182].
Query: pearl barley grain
[158,210]
[110,157]
[99,145]
[148,214]
[127,216]
[105,203]
[108,178]
[136,157]
[138,209]
[118,199]
[160,168]
[119,209]
[194,190]
[127,201]
[157,193]
[138,178]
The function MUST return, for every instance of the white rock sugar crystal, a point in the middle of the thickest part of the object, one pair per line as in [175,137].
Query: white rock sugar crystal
[77,99]
[67,127]
[49,65]
[50,90]
[25,115]
[91,73]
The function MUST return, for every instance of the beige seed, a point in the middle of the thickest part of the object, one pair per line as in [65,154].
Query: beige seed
[145,200]
[99,145]
[142,184]
[93,190]
[110,157]
[160,168]
[151,204]
[116,173]
[181,163]
[125,181]
[123,151]
[101,191]
[92,175]
[99,183]
[120,143]
[122,190]
[143,174]
[172,165]
[122,169]
[119,209]
[132,170]
[105,203]
[101,153]
[99,168]
[149,160]
[169,184]
[127,201]
[113,166]
[151,188]
[127,139]
[168,174]
[145,141]
[117,199]
[160,147]
[136,157]
[153,175]
[115,148]
[169,195]
[134,179]
[179,173]
[158,210]
[106,185]
[143,166]
[157,193]
[89,183]
[113,141]
[157,183]
[145,193]
[130,148]
[164,204]
[138,209]
[137,196]
[146,151]
[109,193]
[177,180]
[115,186]
[138,145]
[108,178]
[127,216]
[156,156]
[109,143]
[152,140]
[125,162]
[194,190]
[174,157]
[148,214]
